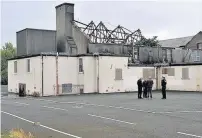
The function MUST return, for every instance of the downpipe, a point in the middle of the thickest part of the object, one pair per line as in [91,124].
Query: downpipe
[57,85]
[42,64]
[98,76]
[96,55]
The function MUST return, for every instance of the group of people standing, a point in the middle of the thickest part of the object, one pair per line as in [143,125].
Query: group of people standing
[147,88]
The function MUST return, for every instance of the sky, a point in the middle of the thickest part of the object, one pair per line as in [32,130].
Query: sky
[154,18]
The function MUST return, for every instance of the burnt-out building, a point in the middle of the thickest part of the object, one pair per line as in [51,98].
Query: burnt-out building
[90,58]
[74,37]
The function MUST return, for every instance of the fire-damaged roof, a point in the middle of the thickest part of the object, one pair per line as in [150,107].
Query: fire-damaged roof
[102,35]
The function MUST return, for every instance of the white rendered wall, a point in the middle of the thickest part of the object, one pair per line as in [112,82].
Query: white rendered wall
[107,66]
[32,79]
[68,73]
[89,75]
[49,75]
[130,75]
[194,83]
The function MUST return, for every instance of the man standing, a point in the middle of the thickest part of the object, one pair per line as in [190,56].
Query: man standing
[150,85]
[139,84]
[145,88]
[163,84]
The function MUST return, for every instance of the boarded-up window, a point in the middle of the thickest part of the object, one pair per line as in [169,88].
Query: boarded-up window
[80,65]
[185,73]
[171,71]
[148,73]
[28,65]
[118,74]
[164,71]
[15,67]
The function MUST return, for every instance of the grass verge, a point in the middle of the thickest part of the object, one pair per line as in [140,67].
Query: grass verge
[17,133]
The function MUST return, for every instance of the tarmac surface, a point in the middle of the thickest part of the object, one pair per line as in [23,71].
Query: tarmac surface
[105,116]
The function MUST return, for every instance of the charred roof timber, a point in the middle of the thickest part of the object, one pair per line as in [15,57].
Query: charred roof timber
[101,34]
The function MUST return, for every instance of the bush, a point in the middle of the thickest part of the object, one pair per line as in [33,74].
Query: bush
[36,94]
[17,133]
[4,81]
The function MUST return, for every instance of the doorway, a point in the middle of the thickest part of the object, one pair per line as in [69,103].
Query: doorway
[22,89]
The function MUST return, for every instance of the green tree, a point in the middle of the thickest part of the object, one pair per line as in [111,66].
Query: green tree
[151,42]
[7,52]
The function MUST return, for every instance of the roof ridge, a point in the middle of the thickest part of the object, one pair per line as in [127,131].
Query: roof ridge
[177,38]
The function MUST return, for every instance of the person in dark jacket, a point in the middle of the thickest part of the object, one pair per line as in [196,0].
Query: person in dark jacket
[163,84]
[145,89]
[139,84]
[149,87]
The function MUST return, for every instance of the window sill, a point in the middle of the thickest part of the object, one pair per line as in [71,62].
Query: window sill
[185,79]
[118,80]
[81,72]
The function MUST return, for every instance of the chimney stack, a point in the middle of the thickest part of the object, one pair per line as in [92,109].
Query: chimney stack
[64,18]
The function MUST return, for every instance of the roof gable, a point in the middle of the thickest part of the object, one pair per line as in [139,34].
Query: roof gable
[176,42]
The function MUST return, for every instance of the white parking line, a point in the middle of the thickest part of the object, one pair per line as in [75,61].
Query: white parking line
[43,100]
[94,116]
[22,103]
[118,107]
[64,133]
[97,105]
[182,133]
[164,112]
[55,108]
[112,119]
[190,111]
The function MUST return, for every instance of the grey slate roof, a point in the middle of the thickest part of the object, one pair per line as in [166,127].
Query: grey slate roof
[175,42]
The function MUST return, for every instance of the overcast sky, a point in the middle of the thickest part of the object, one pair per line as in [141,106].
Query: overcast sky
[164,19]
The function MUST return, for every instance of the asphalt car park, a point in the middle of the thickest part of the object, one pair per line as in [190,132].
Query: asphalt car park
[105,115]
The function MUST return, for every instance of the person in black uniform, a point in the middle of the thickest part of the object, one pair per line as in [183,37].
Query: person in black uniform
[149,87]
[139,84]
[145,89]
[163,84]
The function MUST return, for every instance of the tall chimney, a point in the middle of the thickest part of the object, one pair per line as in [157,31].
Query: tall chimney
[64,18]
